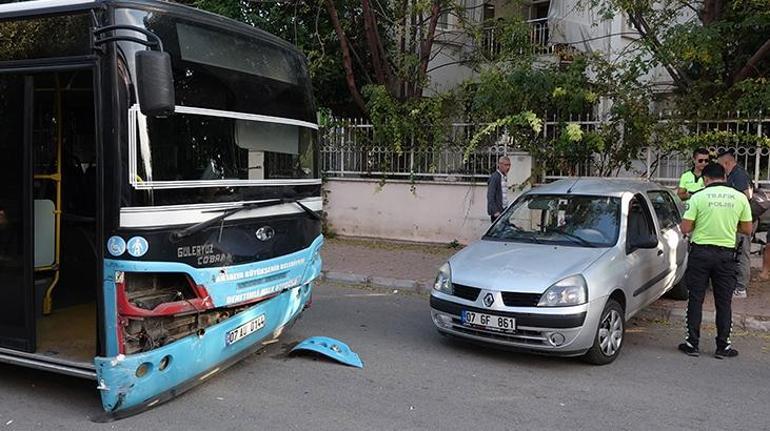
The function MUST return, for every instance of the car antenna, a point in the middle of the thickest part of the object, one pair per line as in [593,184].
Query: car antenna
[569,190]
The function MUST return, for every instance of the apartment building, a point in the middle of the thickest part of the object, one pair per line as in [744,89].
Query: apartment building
[558,30]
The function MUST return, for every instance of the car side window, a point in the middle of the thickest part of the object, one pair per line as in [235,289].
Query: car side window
[665,209]
[640,227]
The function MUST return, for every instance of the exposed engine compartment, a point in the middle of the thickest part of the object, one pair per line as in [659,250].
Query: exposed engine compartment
[146,333]
[155,309]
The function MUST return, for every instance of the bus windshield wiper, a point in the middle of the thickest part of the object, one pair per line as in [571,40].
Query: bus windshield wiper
[190,230]
[314,215]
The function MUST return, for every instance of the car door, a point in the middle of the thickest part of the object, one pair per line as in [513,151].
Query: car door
[646,267]
[674,244]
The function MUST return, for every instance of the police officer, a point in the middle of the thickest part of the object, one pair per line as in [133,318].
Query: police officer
[691,180]
[713,217]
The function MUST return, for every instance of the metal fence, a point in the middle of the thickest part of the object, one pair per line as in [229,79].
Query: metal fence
[667,166]
[348,150]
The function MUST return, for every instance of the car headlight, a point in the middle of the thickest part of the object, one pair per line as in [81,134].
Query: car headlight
[570,291]
[444,279]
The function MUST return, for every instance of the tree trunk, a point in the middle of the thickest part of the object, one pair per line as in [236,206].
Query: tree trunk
[374,42]
[712,11]
[751,66]
[402,47]
[347,62]
[426,46]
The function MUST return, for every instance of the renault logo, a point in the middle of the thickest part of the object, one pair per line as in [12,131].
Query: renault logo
[265,233]
[489,299]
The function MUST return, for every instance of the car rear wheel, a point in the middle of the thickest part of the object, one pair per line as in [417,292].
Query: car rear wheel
[609,335]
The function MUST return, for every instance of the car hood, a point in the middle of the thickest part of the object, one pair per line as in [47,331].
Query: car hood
[519,267]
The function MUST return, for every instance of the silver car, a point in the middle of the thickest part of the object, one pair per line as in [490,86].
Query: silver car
[564,267]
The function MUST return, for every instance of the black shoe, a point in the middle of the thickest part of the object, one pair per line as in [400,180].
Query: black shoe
[727,352]
[688,349]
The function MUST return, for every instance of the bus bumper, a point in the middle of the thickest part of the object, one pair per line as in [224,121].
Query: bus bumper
[130,384]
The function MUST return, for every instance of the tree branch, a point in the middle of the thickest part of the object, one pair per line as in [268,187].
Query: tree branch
[638,21]
[451,63]
[426,45]
[690,6]
[346,60]
[751,65]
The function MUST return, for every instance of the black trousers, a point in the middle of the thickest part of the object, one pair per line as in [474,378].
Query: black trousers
[715,264]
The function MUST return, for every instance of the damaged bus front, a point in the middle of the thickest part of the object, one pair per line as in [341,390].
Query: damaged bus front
[168,193]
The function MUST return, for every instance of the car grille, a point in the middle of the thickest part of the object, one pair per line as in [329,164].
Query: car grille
[465,292]
[516,299]
[535,338]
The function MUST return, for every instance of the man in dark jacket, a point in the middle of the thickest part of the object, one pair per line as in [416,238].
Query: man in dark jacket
[497,188]
[739,179]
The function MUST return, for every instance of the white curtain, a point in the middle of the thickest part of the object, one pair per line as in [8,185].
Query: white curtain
[572,23]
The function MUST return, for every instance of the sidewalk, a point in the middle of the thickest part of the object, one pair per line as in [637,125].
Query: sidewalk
[409,266]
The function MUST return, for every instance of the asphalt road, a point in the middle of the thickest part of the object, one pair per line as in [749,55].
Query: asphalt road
[415,379]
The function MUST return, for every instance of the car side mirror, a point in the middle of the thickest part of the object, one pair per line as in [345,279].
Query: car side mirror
[155,83]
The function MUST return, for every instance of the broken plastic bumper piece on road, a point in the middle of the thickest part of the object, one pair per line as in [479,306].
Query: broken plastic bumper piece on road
[331,348]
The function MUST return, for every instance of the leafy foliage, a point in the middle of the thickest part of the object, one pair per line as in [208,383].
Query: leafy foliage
[409,124]
[717,52]
[528,87]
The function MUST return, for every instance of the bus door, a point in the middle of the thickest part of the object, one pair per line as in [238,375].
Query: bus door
[17,314]
[48,255]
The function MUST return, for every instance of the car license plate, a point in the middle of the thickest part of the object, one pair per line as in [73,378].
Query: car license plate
[247,328]
[489,321]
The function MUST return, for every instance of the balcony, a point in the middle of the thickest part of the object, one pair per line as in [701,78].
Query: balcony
[538,38]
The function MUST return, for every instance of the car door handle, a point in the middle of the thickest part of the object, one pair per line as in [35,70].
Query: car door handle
[660,252]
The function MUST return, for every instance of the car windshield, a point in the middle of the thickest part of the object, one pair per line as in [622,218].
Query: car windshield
[581,221]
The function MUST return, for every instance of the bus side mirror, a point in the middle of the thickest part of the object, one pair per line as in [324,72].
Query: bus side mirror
[155,83]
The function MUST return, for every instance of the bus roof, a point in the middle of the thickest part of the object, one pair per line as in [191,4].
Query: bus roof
[42,7]
[35,7]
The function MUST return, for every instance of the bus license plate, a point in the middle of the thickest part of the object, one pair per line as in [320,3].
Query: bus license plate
[247,328]
[489,321]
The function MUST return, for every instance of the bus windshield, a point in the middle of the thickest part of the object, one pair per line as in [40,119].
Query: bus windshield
[245,114]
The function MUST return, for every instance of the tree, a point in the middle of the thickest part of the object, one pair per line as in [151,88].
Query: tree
[398,44]
[714,50]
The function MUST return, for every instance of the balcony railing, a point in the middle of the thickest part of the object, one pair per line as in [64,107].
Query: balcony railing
[538,38]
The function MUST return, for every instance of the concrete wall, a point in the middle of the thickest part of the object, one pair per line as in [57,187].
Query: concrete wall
[425,211]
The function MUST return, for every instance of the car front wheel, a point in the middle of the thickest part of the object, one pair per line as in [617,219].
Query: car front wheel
[609,335]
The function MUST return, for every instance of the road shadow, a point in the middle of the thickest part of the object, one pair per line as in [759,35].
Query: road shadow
[65,395]
[636,332]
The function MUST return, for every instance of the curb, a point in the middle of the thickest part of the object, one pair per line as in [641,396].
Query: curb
[374,281]
[746,322]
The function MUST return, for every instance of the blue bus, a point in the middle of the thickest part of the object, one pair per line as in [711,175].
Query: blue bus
[160,196]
